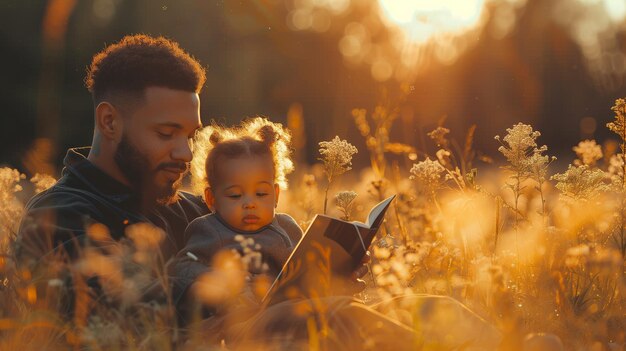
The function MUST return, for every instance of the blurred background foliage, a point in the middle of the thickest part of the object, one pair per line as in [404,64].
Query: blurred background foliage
[556,64]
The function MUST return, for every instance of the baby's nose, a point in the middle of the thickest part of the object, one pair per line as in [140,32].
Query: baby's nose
[249,204]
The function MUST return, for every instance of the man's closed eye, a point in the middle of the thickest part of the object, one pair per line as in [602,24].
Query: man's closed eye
[165,135]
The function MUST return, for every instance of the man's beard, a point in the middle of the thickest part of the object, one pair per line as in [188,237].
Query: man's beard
[136,168]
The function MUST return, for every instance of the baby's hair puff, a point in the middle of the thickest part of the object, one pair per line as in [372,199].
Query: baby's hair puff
[254,136]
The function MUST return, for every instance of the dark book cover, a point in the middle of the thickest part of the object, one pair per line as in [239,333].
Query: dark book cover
[329,252]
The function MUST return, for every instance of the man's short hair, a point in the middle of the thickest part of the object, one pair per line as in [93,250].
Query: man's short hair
[140,61]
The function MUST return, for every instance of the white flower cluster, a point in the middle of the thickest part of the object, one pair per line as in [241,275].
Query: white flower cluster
[520,145]
[337,156]
[428,174]
[42,182]
[251,258]
[588,152]
[616,166]
[11,210]
[618,126]
[526,158]
[345,198]
[581,183]
[9,179]
[344,201]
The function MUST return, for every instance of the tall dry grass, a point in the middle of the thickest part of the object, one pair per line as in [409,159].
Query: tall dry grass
[527,249]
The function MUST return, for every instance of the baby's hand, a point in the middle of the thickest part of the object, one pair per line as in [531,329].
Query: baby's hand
[355,284]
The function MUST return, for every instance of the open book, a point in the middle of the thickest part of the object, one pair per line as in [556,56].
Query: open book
[326,256]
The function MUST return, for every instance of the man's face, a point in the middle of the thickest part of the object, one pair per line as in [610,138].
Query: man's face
[245,194]
[155,148]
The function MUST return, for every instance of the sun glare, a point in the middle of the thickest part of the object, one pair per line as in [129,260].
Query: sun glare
[423,20]
[616,9]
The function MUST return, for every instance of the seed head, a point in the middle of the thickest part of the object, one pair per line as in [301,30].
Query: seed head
[618,126]
[588,152]
[337,156]
[427,173]
[581,183]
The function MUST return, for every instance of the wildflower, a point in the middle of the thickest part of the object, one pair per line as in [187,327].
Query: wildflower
[145,236]
[224,281]
[428,173]
[98,232]
[252,259]
[439,136]
[618,126]
[361,121]
[42,182]
[107,268]
[443,156]
[521,150]
[519,144]
[11,209]
[9,179]
[588,152]
[345,198]
[412,258]
[526,160]
[400,269]
[581,183]
[344,202]
[381,252]
[337,156]
[538,164]
[616,166]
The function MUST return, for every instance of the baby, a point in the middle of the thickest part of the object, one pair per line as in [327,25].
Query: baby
[244,171]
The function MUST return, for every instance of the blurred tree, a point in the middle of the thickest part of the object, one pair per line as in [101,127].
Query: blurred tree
[258,64]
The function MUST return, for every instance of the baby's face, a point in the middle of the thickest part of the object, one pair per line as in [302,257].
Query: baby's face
[245,195]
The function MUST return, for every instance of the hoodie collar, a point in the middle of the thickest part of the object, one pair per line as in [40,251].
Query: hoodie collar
[93,178]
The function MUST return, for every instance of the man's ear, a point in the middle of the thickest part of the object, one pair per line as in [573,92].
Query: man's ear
[277,192]
[108,121]
[209,198]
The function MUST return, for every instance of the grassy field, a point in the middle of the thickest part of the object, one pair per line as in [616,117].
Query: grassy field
[528,250]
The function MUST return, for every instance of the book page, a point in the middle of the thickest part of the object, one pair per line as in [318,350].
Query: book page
[374,219]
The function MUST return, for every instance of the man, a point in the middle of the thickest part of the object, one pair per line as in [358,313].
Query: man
[146,111]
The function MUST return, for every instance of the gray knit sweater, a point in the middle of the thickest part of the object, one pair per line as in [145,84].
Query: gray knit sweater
[209,234]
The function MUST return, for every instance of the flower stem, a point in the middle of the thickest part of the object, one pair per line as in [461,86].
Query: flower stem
[326,196]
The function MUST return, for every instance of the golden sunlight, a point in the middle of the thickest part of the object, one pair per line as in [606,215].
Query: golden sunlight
[422,20]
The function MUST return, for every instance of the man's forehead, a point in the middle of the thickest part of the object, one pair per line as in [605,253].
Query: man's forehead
[171,108]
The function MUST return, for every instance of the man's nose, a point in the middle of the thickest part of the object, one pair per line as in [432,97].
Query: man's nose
[182,152]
